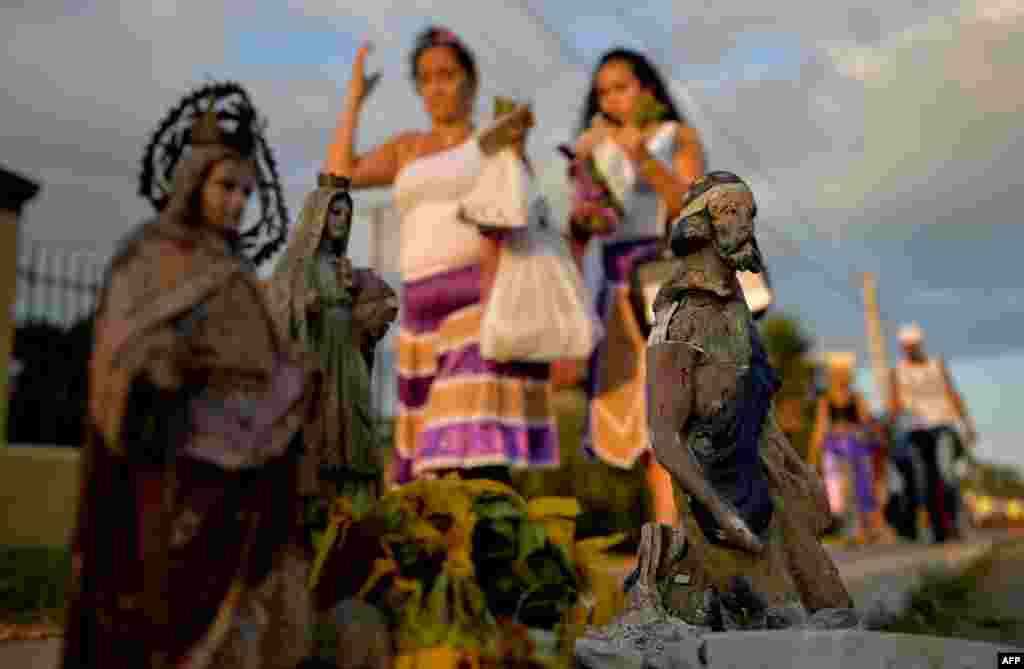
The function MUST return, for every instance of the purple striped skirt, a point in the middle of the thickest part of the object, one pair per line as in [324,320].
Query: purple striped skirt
[616,426]
[455,409]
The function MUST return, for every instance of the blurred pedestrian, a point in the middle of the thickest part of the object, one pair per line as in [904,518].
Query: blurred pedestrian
[923,390]
[844,444]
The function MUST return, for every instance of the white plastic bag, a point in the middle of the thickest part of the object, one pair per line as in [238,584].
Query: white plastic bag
[503,194]
[539,309]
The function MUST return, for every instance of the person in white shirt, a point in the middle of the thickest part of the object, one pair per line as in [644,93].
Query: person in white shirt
[922,392]
[458,412]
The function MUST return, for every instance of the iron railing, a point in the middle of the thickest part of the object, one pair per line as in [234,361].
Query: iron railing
[57,283]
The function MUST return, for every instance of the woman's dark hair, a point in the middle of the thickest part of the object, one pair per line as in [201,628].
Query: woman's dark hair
[342,196]
[645,74]
[437,36]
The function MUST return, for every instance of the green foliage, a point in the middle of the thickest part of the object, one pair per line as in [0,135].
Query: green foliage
[613,499]
[996,480]
[325,639]
[784,338]
[32,581]
[522,573]
[503,106]
[649,110]
[787,343]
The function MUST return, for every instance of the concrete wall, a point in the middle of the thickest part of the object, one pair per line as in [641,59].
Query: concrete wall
[38,495]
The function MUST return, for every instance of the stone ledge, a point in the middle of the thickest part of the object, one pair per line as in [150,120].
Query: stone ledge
[801,649]
[33,452]
[30,654]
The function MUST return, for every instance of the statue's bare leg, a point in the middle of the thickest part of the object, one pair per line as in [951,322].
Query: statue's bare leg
[644,592]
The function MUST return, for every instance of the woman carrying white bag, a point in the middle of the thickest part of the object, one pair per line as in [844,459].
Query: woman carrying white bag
[538,308]
[456,410]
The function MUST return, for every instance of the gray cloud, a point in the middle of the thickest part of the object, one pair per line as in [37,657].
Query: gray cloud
[82,87]
[865,24]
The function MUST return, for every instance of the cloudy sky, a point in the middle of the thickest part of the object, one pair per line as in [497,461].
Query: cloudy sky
[879,137]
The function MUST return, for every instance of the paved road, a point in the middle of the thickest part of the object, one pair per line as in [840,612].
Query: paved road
[29,654]
[884,575]
[875,574]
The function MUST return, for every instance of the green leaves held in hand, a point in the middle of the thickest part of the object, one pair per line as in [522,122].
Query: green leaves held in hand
[649,111]
[503,105]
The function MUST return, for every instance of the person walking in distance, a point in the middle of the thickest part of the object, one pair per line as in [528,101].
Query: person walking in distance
[923,390]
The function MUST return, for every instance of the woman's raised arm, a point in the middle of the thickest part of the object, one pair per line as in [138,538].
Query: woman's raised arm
[380,165]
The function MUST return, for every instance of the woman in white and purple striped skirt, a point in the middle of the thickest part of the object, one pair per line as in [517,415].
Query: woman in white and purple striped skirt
[456,410]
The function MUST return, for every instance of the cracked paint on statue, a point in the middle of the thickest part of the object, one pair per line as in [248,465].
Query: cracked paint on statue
[748,554]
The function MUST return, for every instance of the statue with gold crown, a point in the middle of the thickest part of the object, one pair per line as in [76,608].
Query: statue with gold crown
[339,313]
[186,551]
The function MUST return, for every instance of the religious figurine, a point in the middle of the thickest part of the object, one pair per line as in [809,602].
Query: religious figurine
[187,551]
[748,554]
[312,293]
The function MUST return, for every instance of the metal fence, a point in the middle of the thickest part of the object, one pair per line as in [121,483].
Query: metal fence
[57,283]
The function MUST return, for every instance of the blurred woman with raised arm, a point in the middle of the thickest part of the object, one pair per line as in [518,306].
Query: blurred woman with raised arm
[456,410]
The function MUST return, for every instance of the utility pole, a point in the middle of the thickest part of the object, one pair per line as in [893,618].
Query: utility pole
[876,343]
[880,367]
